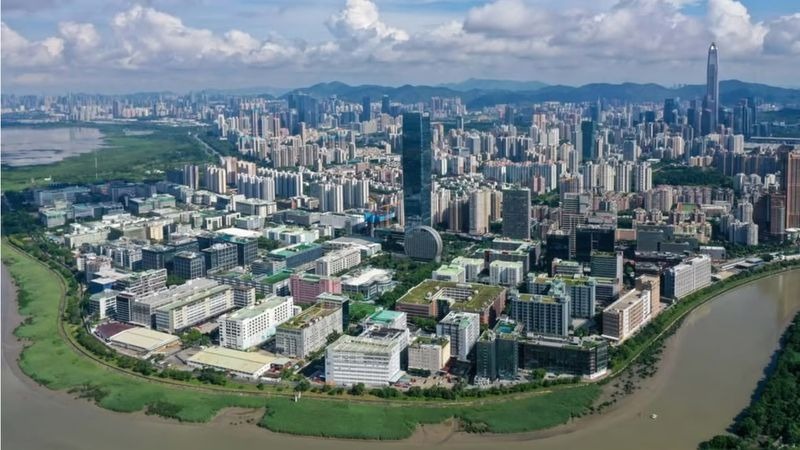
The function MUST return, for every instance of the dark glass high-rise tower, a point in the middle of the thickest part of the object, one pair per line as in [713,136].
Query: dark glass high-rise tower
[417,169]
[712,87]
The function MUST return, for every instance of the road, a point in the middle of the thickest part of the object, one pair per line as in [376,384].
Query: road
[210,149]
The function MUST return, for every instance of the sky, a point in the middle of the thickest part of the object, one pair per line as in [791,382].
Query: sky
[119,46]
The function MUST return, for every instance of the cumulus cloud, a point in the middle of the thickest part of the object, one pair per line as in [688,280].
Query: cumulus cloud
[783,37]
[498,34]
[18,51]
[731,25]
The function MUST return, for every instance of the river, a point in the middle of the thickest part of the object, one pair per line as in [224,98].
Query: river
[707,375]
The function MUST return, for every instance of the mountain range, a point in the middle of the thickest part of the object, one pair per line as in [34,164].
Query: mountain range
[478,93]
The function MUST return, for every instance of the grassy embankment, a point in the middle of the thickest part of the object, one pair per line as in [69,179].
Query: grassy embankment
[123,157]
[51,361]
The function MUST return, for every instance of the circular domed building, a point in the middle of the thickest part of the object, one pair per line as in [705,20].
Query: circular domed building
[424,243]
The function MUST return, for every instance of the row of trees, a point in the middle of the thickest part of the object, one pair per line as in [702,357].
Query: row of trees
[773,419]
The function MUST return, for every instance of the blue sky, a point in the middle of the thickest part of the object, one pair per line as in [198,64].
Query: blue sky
[120,45]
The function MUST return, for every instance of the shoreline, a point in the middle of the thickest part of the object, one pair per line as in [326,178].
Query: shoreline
[424,434]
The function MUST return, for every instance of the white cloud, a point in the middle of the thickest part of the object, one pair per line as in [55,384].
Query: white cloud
[20,52]
[614,40]
[733,29]
[783,37]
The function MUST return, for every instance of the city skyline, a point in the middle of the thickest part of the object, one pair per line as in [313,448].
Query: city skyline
[168,46]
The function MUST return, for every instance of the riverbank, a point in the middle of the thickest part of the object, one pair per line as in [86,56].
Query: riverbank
[50,361]
[707,373]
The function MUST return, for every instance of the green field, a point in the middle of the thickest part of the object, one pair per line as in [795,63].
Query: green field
[51,361]
[124,157]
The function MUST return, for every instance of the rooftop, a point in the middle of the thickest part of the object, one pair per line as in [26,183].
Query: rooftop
[292,250]
[194,297]
[481,296]
[233,360]
[143,338]
[309,315]
[257,309]
[385,316]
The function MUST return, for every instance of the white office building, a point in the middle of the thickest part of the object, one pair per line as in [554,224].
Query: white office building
[506,273]
[687,277]
[372,358]
[338,261]
[463,329]
[194,306]
[252,326]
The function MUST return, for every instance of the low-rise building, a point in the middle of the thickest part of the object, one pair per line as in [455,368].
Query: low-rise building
[584,357]
[429,353]
[472,267]
[250,365]
[434,299]
[252,326]
[450,272]
[370,283]
[685,278]
[308,331]
[387,319]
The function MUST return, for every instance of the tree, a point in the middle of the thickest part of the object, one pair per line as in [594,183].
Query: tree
[174,280]
[302,385]
[357,389]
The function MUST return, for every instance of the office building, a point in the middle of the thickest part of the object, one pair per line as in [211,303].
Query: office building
[792,176]
[463,329]
[417,160]
[472,267]
[423,243]
[629,314]
[712,98]
[189,265]
[517,213]
[385,318]
[574,356]
[202,300]
[497,351]
[541,314]
[581,290]
[506,273]
[244,296]
[338,261]
[102,305]
[429,354]
[590,238]
[607,265]
[372,358]
[253,325]
[305,287]
[370,283]
[450,272]
[220,257]
[685,278]
[308,331]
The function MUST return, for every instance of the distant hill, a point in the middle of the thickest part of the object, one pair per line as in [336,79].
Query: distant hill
[731,90]
[494,85]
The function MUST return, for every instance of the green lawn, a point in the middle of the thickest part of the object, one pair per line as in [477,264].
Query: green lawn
[124,157]
[398,421]
[50,361]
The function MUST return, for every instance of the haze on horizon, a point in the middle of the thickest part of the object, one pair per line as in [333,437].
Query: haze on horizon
[181,45]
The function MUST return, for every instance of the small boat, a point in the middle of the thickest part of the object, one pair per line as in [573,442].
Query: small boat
[654,416]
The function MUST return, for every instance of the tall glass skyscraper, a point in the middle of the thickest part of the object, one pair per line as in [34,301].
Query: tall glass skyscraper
[417,169]
[712,87]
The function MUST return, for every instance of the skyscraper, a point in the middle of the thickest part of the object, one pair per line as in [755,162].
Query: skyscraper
[385,105]
[793,190]
[588,152]
[366,109]
[417,169]
[712,87]
[517,213]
